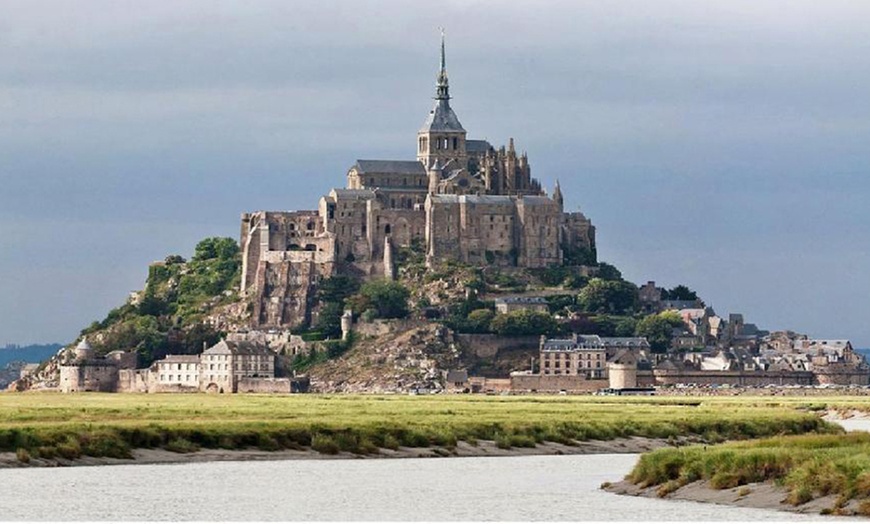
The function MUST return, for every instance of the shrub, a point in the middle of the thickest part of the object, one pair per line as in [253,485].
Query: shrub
[181,445]
[325,444]
[22,455]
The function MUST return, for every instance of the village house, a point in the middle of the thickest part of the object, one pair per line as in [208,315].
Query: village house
[580,355]
[177,372]
[226,363]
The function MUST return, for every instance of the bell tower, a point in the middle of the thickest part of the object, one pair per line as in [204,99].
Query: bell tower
[442,137]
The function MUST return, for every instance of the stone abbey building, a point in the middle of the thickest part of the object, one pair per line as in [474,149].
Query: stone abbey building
[460,199]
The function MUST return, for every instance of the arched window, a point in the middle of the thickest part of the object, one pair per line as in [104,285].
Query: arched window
[310,226]
[455,142]
[387,229]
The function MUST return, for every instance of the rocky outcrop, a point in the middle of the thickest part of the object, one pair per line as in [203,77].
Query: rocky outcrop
[397,357]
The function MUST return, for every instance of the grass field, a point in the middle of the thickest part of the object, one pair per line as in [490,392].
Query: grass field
[52,424]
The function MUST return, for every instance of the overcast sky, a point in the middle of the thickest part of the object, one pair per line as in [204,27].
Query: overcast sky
[723,145]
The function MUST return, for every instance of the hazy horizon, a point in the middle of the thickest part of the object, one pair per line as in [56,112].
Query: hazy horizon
[721,145]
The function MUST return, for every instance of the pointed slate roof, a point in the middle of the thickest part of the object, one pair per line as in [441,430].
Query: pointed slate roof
[441,117]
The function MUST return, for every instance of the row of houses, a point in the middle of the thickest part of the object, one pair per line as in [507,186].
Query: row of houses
[230,366]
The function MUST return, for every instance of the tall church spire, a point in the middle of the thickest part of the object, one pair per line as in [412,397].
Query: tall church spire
[442,136]
[443,88]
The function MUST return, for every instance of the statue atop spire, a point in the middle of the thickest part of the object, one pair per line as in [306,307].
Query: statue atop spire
[443,61]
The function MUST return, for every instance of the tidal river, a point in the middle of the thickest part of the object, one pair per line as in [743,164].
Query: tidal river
[561,488]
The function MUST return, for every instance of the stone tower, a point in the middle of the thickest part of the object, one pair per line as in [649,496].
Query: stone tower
[442,137]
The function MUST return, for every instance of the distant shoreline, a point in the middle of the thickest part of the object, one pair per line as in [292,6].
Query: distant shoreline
[484,448]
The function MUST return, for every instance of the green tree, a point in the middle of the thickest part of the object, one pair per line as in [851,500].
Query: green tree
[608,272]
[389,299]
[337,288]
[658,329]
[558,303]
[626,326]
[222,248]
[479,320]
[679,292]
[329,320]
[608,296]
[524,322]
[577,256]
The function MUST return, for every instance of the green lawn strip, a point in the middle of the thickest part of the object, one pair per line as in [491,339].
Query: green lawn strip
[50,425]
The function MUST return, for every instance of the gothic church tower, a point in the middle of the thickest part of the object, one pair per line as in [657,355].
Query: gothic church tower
[442,137]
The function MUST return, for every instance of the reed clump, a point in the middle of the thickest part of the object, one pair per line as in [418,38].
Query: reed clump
[807,466]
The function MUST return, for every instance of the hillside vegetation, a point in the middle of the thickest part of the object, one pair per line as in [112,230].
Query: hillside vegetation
[168,315]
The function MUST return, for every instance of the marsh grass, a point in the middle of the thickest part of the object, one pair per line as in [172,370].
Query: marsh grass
[111,425]
[808,466]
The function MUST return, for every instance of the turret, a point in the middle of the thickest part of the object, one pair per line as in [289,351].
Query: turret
[434,177]
[389,269]
[346,322]
[557,196]
[83,350]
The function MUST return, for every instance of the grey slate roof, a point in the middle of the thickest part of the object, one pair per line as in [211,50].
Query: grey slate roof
[531,200]
[353,193]
[521,300]
[586,342]
[472,199]
[593,342]
[238,347]
[190,359]
[442,118]
[626,341]
[400,167]
[477,146]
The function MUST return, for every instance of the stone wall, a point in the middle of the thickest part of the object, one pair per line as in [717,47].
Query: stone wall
[134,380]
[842,375]
[555,384]
[264,385]
[489,385]
[488,346]
[733,378]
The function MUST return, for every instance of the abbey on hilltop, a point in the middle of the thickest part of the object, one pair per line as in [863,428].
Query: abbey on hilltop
[461,199]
